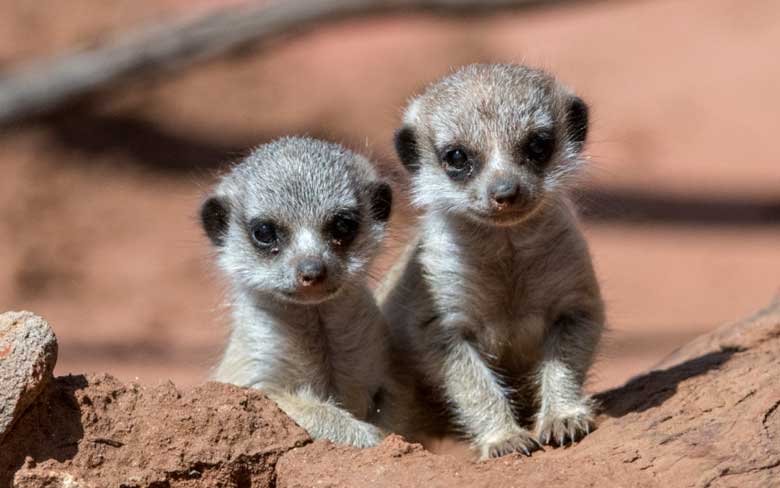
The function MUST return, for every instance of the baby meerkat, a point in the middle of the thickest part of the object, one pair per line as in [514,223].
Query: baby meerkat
[295,226]
[497,311]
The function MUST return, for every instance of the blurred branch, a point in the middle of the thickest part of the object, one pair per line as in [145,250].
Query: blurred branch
[47,85]
[602,204]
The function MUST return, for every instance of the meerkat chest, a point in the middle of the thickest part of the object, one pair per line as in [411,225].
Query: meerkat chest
[344,359]
[490,287]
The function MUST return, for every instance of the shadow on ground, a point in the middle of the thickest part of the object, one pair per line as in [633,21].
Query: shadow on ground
[654,388]
[50,429]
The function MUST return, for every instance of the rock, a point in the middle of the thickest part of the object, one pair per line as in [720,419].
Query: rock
[707,417]
[103,432]
[32,477]
[28,352]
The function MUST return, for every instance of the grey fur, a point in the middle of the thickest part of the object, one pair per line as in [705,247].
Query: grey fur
[322,356]
[497,313]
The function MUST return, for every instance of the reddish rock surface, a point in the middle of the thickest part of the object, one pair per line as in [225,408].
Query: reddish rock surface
[97,431]
[709,416]
[28,353]
[711,419]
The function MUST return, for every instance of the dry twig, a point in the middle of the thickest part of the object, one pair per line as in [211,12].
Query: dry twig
[47,85]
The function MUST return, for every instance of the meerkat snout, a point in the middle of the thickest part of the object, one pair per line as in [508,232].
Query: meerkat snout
[311,272]
[503,192]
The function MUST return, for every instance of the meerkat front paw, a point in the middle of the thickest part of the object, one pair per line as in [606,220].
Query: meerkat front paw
[520,441]
[567,426]
[365,435]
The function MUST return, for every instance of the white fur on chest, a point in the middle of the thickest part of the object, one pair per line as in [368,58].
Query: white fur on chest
[481,282]
[335,351]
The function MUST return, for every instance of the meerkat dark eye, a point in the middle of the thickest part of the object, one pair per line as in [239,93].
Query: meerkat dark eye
[456,159]
[539,147]
[343,229]
[264,234]
[457,163]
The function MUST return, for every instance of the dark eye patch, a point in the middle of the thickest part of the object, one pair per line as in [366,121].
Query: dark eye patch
[265,234]
[538,147]
[458,162]
[343,227]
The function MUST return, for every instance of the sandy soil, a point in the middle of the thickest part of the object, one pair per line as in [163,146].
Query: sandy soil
[213,435]
[97,205]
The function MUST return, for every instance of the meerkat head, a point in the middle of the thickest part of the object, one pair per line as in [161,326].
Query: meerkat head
[298,219]
[492,142]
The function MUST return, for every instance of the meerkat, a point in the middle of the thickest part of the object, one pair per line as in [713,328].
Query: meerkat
[294,227]
[497,313]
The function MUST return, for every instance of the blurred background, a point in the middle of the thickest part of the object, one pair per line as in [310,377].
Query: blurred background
[98,197]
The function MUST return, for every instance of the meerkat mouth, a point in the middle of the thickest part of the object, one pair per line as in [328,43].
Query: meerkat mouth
[310,298]
[506,218]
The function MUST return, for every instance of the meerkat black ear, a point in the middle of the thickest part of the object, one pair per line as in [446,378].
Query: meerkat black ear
[381,201]
[214,216]
[577,121]
[406,147]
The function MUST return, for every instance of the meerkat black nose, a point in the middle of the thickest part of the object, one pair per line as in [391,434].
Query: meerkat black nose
[311,272]
[504,192]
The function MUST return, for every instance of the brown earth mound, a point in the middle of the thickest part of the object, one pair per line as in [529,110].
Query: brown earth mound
[709,418]
[97,431]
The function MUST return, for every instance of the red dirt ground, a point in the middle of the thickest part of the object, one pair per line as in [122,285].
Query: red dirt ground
[97,205]
[709,418]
